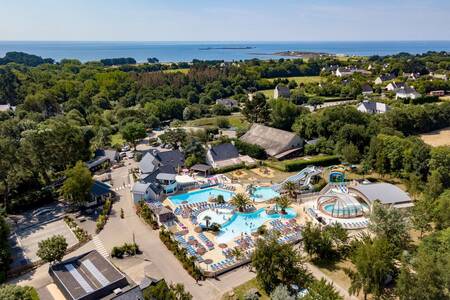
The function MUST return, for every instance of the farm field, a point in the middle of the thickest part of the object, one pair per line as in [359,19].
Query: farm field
[437,138]
[184,71]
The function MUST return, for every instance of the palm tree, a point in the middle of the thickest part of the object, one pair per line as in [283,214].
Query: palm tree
[241,201]
[251,189]
[207,219]
[283,202]
[290,188]
[236,253]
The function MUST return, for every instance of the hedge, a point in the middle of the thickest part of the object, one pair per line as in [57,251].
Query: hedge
[299,164]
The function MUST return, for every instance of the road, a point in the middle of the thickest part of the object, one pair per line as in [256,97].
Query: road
[330,104]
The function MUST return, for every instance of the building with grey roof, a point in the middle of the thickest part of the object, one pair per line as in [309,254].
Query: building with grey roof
[369,107]
[276,142]
[225,155]
[281,91]
[89,276]
[386,193]
[227,102]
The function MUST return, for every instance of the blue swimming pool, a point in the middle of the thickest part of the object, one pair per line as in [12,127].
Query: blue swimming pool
[248,223]
[200,196]
[264,193]
[351,210]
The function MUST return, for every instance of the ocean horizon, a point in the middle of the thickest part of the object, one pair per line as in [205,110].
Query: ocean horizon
[186,51]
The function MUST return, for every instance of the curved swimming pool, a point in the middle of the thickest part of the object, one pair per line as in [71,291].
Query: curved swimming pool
[248,222]
[264,193]
[200,196]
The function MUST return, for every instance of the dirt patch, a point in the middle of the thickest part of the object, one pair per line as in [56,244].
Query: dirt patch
[437,138]
[264,172]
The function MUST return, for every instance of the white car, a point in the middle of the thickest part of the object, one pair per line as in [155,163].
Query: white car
[125,148]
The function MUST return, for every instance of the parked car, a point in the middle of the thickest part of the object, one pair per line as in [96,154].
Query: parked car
[125,148]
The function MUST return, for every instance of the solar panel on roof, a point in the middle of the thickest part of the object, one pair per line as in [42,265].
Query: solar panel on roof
[94,271]
[81,281]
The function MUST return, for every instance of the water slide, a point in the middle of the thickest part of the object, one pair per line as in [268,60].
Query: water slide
[303,177]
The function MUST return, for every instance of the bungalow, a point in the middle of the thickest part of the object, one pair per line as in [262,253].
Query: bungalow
[229,103]
[438,93]
[411,76]
[439,76]
[225,155]
[407,93]
[373,107]
[384,78]
[348,71]
[281,91]
[277,143]
[366,89]
[7,107]
[103,157]
[157,174]
[99,193]
[395,85]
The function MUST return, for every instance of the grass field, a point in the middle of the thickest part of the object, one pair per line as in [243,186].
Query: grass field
[301,79]
[437,138]
[241,290]
[236,121]
[184,71]
[445,98]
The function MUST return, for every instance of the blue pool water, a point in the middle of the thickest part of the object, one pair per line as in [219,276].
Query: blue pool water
[248,223]
[200,196]
[264,193]
[344,211]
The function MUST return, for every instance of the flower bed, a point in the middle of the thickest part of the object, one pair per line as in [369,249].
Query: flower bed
[80,233]
[103,217]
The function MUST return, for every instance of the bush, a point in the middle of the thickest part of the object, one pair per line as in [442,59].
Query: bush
[299,164]
[125,249]
[228,169]
[101,221]
[251,150]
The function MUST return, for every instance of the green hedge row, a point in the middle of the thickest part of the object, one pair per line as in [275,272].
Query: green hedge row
[299,164]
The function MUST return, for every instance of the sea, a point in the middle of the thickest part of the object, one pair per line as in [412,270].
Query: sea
[227,51]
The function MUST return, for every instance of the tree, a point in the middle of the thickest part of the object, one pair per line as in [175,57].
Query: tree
[237,253]
[374,264]
[390,223]
[290,188]
[422,215]
[426,276]
[283,202]
[240,201]
[277,264]
[77,186]
[174,137]
[314,102]
[5,251]
[281,292]
[52,249]
[442,210]
[350,153]
[283,113]
[132,132]
[16,292]
[257,109]
[321,290]
[316,243]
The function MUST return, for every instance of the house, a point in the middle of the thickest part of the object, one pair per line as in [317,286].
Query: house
[366,89]
[225,155]
[158,170]
[386,193]
[348,71]
[384,78]
[281,91]
[406,93]
[103,158]
[163,214]
[89,276]
[229,103]
[276,142]
[395,85]
[373,107]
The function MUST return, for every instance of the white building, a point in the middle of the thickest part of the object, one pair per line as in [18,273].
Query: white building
[373,107]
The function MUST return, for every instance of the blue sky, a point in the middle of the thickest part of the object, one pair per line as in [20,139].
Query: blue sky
[226,20]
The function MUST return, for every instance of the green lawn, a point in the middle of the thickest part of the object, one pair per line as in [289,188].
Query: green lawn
[117,140]
[184,71]
[243,288]
[301,79]
[267,93]
[236,121]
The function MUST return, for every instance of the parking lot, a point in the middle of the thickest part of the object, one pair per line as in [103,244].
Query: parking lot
[25,242]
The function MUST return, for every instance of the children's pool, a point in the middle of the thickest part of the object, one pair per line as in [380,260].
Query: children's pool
[248,222]
[200,196]
[219,216]
[263,193]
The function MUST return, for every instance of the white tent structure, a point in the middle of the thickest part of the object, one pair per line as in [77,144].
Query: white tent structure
[340,205]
